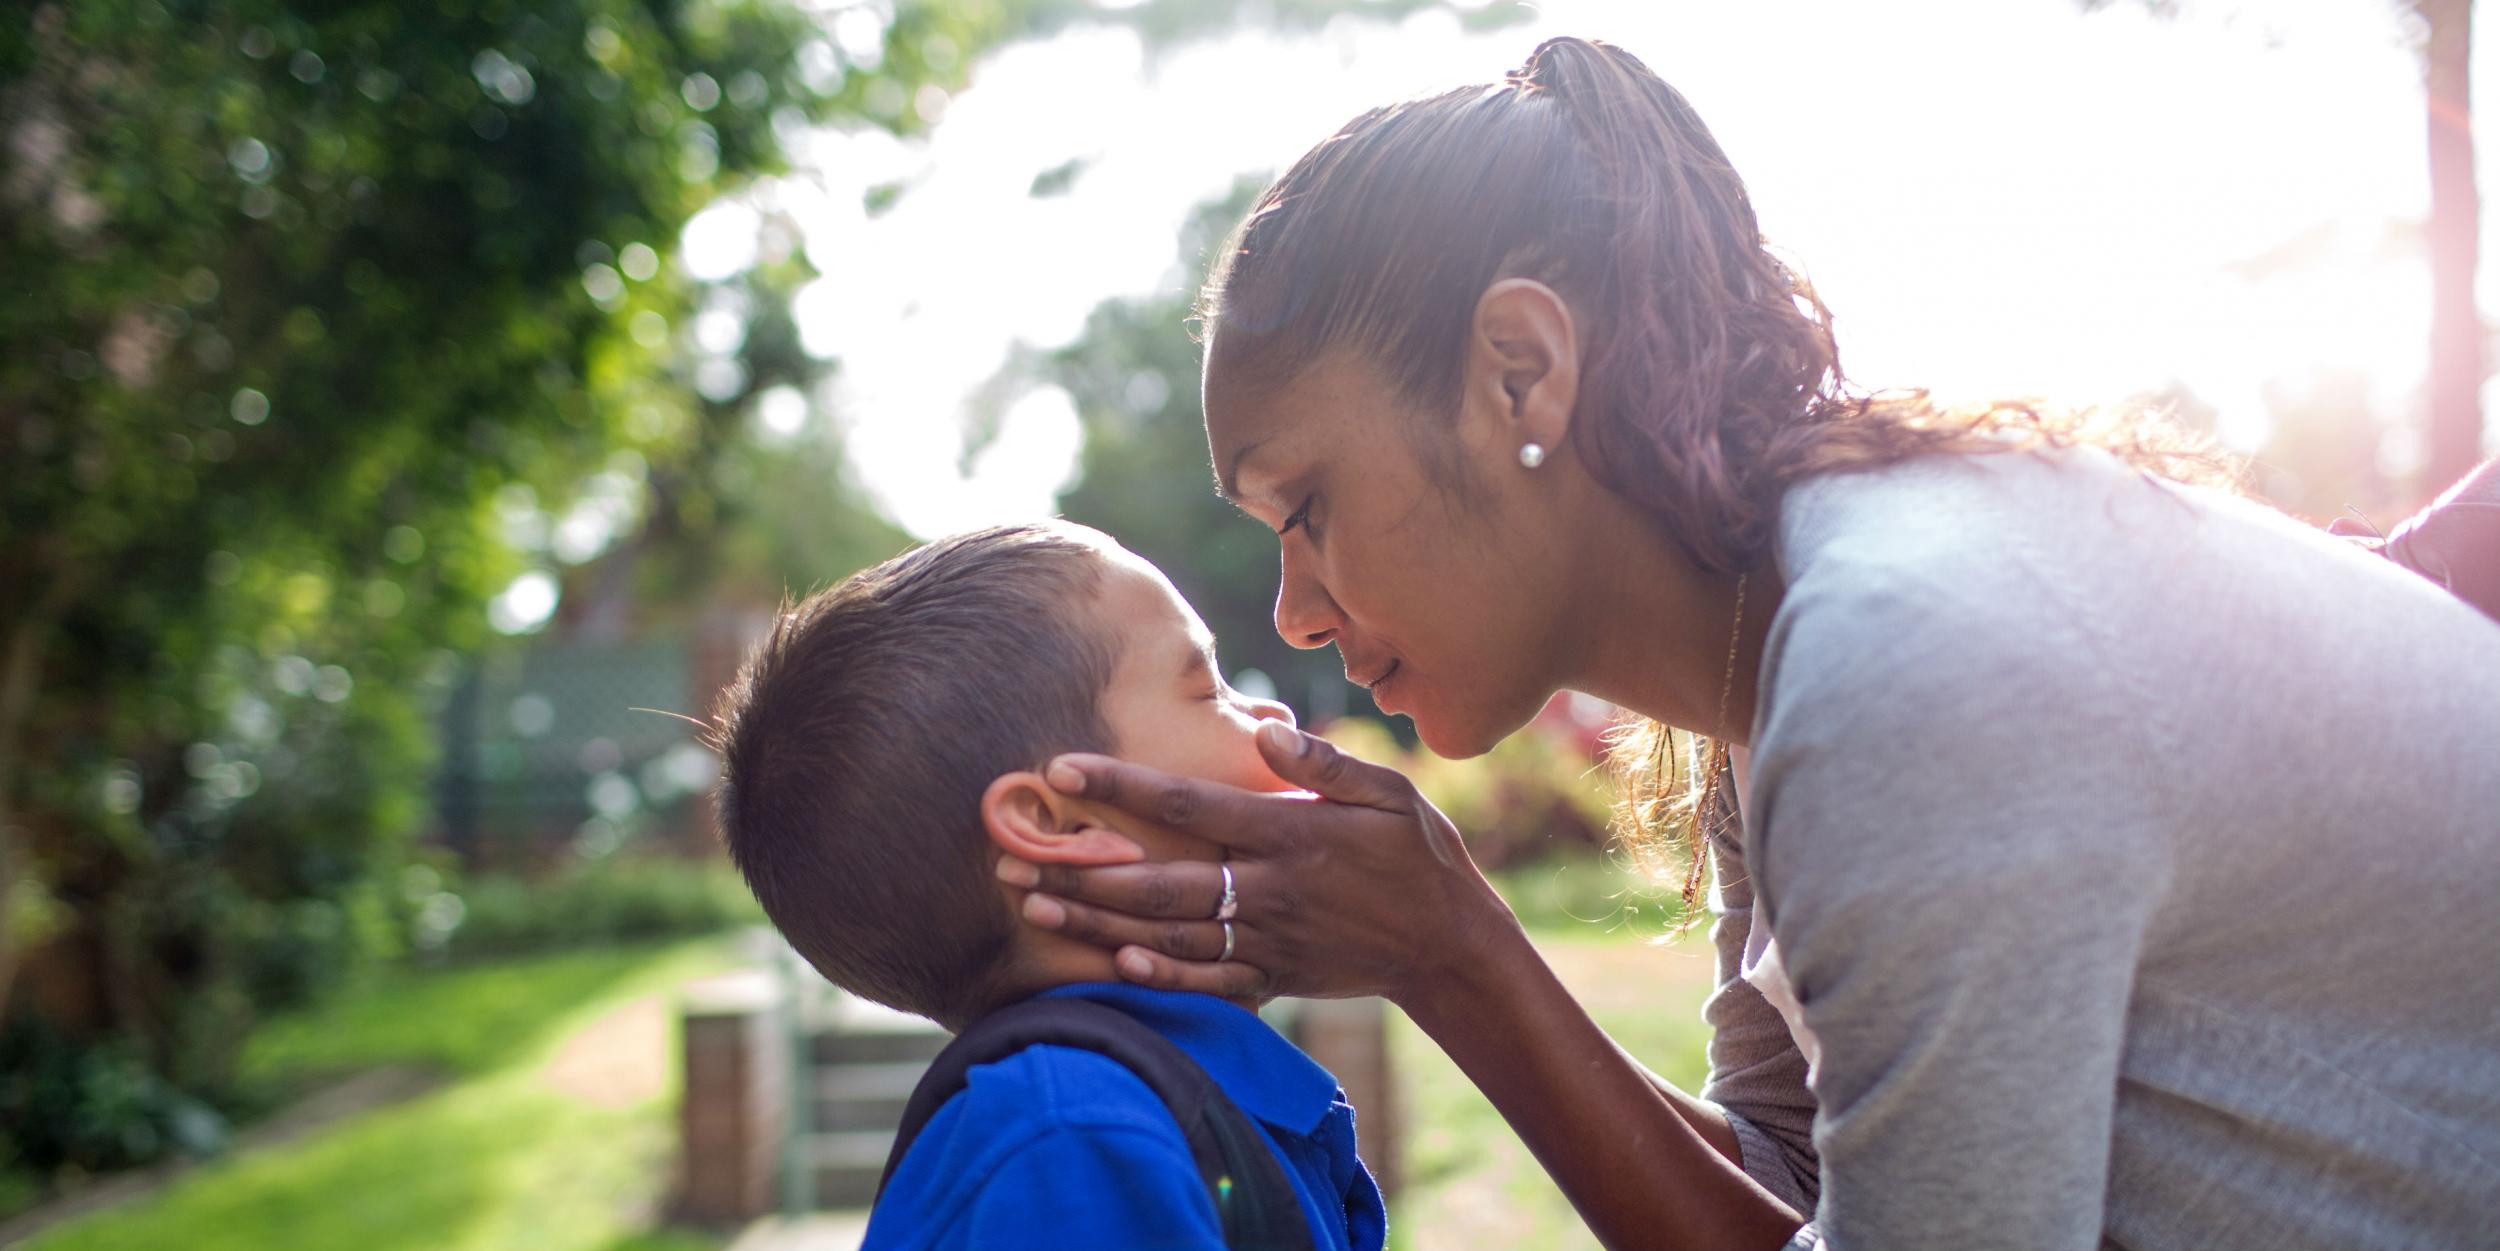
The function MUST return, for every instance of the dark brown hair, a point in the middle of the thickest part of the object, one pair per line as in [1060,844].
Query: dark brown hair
[859,737]
[1711,380]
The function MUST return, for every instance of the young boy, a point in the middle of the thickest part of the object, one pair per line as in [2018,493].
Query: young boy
[881,750]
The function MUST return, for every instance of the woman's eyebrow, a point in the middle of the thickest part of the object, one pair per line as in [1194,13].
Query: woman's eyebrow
[1228,480]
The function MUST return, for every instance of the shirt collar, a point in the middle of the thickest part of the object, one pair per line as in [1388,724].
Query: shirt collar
[1267,1076]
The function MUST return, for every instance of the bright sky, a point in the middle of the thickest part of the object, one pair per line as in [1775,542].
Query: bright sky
[1994,196]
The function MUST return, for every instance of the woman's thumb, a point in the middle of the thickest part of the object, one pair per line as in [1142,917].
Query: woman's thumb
[1317,765]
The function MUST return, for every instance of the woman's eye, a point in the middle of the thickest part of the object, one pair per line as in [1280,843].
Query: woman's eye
[1299,516]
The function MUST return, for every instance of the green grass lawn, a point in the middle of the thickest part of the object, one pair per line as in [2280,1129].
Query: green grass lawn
[508,1153]
[501,1156]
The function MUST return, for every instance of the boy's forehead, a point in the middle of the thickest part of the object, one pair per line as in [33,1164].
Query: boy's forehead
[1139,599]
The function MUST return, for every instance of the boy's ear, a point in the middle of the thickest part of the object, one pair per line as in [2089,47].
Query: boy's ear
[1028,820]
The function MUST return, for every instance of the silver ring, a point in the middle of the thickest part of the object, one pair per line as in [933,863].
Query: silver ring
[1228,943]
[1230,906]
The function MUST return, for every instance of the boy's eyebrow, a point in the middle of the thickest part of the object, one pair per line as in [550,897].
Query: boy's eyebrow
[1198,656]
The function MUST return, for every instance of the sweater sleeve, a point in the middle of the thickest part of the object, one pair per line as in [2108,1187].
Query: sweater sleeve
[1757,1074]
[1954,852]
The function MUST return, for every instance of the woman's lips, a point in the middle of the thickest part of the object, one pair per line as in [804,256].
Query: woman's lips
[1380,684]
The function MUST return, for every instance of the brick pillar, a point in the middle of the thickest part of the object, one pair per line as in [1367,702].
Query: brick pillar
[1350,1038]
[736,1100]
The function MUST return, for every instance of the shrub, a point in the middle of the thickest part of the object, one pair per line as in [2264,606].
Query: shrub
[617,899]
[1529,797]
[85,1109]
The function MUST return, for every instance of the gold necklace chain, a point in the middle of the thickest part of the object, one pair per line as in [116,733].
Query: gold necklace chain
[1718,761]
[1735,635]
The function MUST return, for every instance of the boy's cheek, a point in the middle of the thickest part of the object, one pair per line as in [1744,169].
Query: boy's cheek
[1224,753]
[1250,772]
[1249,765]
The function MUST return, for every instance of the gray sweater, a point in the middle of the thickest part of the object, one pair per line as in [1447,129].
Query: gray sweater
[2134,852]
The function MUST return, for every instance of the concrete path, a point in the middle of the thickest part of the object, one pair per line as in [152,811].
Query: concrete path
[822,1231]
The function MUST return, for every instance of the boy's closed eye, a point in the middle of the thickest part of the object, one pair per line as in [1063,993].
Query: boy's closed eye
[1168,683]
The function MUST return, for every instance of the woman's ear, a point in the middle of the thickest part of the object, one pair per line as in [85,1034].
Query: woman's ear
[1524,360]
[1027,819]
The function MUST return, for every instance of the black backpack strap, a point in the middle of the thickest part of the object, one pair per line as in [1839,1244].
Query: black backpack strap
[1254,1200]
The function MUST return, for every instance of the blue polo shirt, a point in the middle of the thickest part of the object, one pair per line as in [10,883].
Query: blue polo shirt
[1065,1150]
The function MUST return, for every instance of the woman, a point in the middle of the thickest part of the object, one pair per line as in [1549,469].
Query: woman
[2084,890]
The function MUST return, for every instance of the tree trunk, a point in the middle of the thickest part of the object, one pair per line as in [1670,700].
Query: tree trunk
[2455,436]
[21,673]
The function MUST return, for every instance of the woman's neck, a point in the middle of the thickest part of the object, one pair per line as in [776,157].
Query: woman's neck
[1655,637]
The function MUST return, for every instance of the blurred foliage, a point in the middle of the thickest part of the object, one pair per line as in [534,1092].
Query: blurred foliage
[100,1106]
[1532,796]
[1580,896]
[334,300]
[618,899]
[329,324]
[329,294]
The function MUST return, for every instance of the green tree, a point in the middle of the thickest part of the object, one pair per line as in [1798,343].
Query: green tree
[300,293]
[317,313]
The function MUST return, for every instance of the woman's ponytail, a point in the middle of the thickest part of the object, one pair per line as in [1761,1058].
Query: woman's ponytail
[1708,343]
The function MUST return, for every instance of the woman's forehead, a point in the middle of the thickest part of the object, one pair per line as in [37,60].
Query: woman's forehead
[1237,418]
[1239,430]
[1253,430]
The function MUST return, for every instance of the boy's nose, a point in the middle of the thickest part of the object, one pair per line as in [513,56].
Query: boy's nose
[1273,710]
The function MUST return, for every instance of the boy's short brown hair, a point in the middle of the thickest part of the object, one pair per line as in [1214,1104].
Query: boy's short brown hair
[859,738]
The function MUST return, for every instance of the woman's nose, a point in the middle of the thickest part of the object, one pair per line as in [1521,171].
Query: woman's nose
[1305,614]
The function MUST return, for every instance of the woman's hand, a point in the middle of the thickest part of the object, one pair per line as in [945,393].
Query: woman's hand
[1366,890]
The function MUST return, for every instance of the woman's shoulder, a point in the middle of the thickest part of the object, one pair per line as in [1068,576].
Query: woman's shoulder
[2077,535]
[1947,510]
[2034,583]
[2102,594]
[1982,544]
[1945,651]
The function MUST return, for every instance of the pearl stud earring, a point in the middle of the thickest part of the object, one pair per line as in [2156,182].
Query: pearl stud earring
[1531,455]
